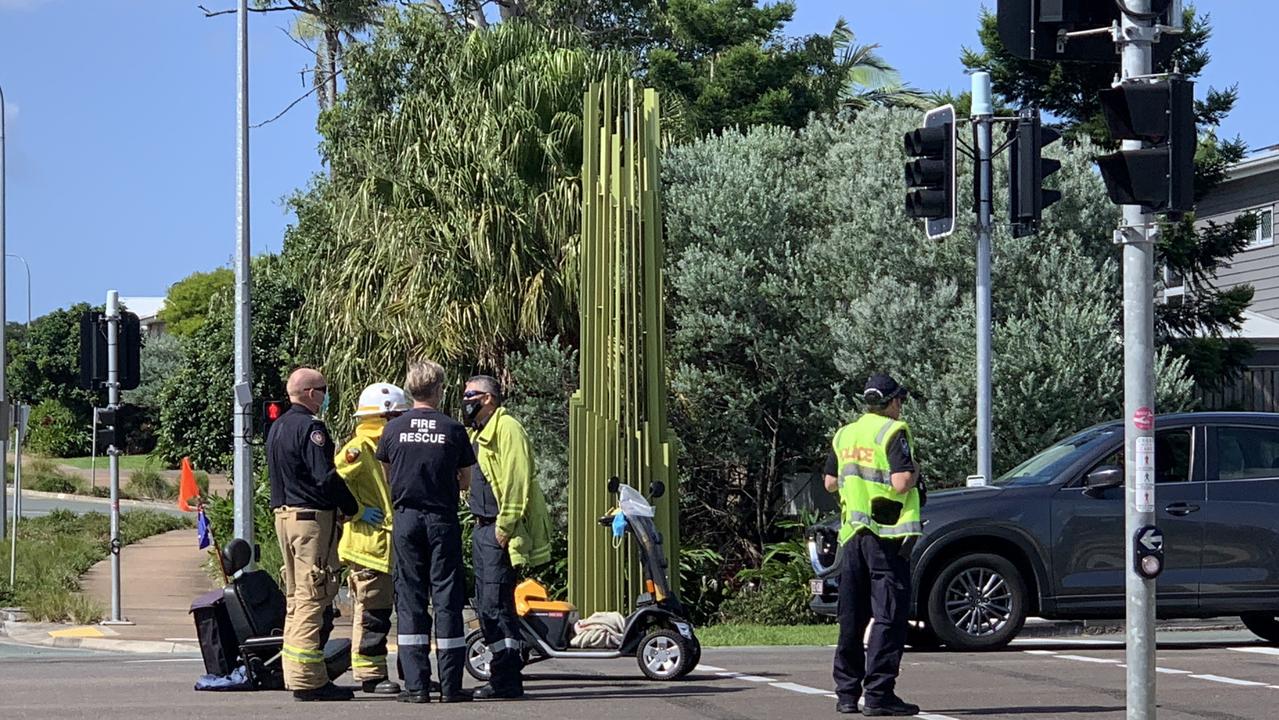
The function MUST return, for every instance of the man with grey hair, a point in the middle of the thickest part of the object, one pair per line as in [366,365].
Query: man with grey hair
[430,459]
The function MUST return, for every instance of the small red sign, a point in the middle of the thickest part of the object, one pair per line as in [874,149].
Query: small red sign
[1144,418]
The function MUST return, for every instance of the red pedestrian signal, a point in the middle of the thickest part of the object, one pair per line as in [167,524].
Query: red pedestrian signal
[272,410]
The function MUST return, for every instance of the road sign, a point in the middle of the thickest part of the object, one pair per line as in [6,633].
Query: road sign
[1151,538]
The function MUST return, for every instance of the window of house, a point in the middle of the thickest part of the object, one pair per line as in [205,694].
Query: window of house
[1264,235]
[1174,287]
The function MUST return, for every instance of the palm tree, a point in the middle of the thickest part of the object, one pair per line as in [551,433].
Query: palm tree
[869,79]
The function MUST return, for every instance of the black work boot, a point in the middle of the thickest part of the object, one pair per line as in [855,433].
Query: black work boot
[458,697]
[324,693]
[385,686]
[408,696]
[488,692]
[891,706]
[847,705]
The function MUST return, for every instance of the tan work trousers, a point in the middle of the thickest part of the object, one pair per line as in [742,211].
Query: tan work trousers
[309,542]
[372,597]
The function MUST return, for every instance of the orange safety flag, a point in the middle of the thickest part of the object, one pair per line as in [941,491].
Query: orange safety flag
[187,489]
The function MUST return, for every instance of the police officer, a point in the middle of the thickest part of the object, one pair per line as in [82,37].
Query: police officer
[512,528]
[366,540]
[872,468]
[430,463]
[307,495]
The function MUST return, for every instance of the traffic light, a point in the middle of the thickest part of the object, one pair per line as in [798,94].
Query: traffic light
[1161,176]
[105,426]
[272,410]
[930,174]
[1027,169]
[1035,29]
[93,350]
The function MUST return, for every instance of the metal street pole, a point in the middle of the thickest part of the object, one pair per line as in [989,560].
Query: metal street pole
[242,462]
[4,397]
[983,125]
[113,452]
[19,426]
[1137,235]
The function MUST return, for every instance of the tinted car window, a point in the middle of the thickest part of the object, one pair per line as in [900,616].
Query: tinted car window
[1173,452]
[1043,468]
[1245,453]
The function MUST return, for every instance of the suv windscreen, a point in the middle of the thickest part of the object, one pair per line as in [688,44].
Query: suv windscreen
[1043,468]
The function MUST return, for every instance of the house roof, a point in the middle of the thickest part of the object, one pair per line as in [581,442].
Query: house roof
[1265,160]
[146,308]
[1257,327]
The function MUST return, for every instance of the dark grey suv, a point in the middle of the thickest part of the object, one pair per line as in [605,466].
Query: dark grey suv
[1047,539]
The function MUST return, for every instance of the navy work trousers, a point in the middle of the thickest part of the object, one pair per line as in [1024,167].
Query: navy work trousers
[495,598]
[874,582]
[428,568]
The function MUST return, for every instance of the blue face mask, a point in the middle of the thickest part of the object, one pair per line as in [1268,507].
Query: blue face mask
[619,524]
[324,404]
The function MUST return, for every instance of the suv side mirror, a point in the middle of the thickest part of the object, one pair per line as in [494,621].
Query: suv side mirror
[1103,478]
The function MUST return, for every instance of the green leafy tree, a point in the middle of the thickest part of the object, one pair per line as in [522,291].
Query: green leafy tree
[195,402]
[449,229]
[44,363]
[1197,328]
[187,304]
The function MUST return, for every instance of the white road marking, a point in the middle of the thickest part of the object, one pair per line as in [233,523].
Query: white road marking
[1171,671]
[1082,658]
[166,660]
[756,678]
[1257,650]
[1040,652]
[804,689]
[1229,681]
[1064,641]
[709,668]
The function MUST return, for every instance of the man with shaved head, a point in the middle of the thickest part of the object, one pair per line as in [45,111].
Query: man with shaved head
[310,501]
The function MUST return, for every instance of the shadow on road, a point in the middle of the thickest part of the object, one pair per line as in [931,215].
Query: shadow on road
[584,691]
[1036,710]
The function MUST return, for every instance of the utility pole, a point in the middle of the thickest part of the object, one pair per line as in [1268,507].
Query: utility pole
[983,126]
[242,462]
[1137,235]
[4,396]
[113,452]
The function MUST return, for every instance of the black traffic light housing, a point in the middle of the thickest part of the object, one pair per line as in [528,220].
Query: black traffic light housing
[105,426]
[1028,168]
[93,350]
[272,410]
[1161,176]
[930,173]
[1032,29]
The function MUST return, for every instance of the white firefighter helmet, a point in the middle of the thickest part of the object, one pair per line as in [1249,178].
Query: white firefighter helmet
[381,398]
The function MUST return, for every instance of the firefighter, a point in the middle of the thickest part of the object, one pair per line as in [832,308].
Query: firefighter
[310,502]
[366,539]
[430,462]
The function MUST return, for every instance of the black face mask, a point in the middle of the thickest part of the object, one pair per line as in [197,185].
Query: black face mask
[470,411]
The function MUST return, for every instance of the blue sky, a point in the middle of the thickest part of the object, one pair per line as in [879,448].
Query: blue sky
[121,125]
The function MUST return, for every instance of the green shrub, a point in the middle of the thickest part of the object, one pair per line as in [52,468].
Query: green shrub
[55,432]
[151,483]
[44,475]
[775,593]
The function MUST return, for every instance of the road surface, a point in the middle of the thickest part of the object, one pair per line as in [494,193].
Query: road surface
[33,506]
[1218,676]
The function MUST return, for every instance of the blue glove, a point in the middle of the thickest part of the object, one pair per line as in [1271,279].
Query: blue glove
[372,516]
[619,524]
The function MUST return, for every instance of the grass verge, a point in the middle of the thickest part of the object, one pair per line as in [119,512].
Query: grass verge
[127,462]
[55,550]
[728,635]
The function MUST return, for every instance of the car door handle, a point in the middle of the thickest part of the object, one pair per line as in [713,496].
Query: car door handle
[1181,509]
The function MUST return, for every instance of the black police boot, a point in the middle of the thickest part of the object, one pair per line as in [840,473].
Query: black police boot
[384,686]
[325,693]
[408,696]
[488,692]
[460,696]
[892,706]
[847,706]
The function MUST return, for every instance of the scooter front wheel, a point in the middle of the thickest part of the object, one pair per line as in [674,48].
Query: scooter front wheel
[664,654]
[478,658]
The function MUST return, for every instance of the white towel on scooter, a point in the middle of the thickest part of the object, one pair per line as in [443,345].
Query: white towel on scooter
[601,630]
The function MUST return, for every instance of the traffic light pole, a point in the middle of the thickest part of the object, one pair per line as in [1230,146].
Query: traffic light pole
[4,397]
[242,462]
[113,452]
[1137,236]
[983,125]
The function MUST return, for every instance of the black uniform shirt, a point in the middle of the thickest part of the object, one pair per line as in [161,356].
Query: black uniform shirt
[299,458]
[425,449]
[899,459]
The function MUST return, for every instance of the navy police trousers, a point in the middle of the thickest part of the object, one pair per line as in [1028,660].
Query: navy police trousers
[495,603]
[874,582]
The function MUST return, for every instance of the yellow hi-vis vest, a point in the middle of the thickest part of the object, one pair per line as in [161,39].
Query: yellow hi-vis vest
[362,543]
[866,495]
